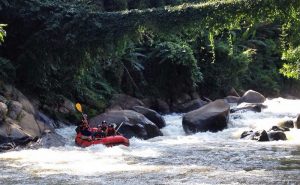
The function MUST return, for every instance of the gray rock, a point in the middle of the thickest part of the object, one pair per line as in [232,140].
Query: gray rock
[252,97]
[233,92]
[3,100]
[232,99]
[276,135]
[16,95]
[67,107]
[297,123]
[190,106]
[152,115]
[257,135]
[30,125]
[287,123]
[277,128]
[49,139]
[261,136]
[123,101]
[211,117]
[48,121]
[15,109]
[3,110]
[162,107]
[135,124]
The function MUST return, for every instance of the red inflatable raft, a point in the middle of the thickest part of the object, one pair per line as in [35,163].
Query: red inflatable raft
[108,141]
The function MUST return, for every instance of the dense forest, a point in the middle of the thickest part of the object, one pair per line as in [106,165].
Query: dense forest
[87,50]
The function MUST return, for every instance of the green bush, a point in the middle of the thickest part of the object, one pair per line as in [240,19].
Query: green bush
[172,69]
[291,68]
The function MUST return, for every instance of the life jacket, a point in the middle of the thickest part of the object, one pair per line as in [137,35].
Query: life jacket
[110,131]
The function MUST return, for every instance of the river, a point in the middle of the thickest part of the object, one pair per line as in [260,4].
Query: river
[202,158]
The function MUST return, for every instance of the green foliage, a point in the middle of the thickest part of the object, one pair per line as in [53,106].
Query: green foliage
[2,33]
[291,68]
[77,50]
[172,68]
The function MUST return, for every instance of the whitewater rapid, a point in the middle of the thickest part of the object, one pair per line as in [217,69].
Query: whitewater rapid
[175,158]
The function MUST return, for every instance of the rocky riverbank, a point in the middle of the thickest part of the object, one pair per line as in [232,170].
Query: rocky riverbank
[24,125]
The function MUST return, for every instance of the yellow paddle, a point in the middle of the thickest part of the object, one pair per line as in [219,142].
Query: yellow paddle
[79,108]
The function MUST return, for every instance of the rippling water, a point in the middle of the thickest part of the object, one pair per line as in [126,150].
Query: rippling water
[202,158]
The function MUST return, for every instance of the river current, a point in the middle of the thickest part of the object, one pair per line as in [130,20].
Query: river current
[175,158]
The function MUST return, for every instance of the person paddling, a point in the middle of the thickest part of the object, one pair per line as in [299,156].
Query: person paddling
[83,128]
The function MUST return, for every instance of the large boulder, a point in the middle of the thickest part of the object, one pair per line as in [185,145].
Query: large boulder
[252,97]
[123,101]
[161,106]
[152,115]
[158,105]
[15,109]
[12,135]
[29,124]
[134,123]
[190,106]
[49,139]
[211,117]
[16,95]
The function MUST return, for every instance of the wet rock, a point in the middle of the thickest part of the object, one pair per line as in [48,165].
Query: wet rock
[277,128]
[124,102]
[158,105]
[162,107]
[3,110]
[252,97]
[48,121]
[15,109]
[276,135]
[232,99]
[49,139]
[30,125]
[211,117]
[7,146]
[152,115]
[287,124]
[16,95]
[135,124]
[190,106]
[297,123]
[247,135]
[67,107]
[255,107]
[261,135]
[182,99]
[3,100]
[12,135]
[233,92]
